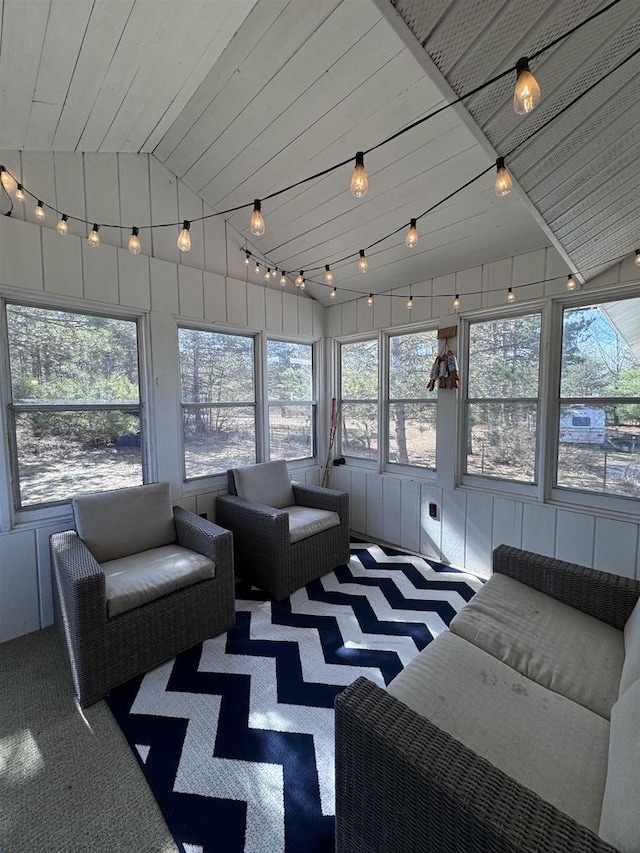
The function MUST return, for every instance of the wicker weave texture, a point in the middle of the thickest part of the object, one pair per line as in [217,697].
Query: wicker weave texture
[263,553]
[106,652]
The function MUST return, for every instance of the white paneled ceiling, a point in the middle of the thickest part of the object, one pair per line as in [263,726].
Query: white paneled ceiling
[239,98]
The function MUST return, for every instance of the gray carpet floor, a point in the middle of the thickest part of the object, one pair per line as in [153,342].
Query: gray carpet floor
[68,780]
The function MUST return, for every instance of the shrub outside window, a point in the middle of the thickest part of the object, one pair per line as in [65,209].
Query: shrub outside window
[75,416]
[291,402]
[359,399]
[599,417]
[217,381]
[411,412]
[502,398]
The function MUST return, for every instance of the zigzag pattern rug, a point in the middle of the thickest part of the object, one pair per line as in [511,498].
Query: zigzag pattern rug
[235,736]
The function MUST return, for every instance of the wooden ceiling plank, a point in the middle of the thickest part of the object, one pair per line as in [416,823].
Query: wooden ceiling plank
[287,35]
[358,44]
[106,26]
[23,30]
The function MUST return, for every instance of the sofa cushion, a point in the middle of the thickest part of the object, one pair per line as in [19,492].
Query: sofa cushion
[545,742]
[620,821]
[305,521]
[267,483]
[631,666]
[140,578]
[560,647]
[125,521]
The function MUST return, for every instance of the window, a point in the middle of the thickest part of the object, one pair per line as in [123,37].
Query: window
[75,413]
[217,381]
[599,417]
[411,412]
[502,398]
[359,399]
[291,400]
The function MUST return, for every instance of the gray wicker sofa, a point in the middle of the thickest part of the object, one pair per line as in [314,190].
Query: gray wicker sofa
[516,730]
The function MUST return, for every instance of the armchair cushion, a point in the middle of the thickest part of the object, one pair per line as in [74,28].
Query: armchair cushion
[551,643]
[620,820]
[267,483]
[503,716]
[125,521]
[631,666]
[141,578]
[304,521]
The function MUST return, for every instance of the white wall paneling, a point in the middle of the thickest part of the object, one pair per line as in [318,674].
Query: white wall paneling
[19,601]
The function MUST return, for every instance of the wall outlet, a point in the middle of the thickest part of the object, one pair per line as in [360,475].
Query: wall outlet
[433,510]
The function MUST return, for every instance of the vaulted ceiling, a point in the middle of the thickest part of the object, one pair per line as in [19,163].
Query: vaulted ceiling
[239,98]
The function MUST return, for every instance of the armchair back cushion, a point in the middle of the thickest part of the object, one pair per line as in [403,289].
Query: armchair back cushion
[620,818]
[266,483]
[631,666]
[125,521]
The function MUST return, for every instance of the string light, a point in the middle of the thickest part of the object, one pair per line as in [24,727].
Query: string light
[274,273]
[62,227]
[40,214]
[134,242]
[503,184]
[246,258]
[300,279]
[511,297]
[411,239]
[333,293]
[256,225]
[359,180]
[94,237]
[527,92]
[267,275]
[363,263]
[8,181]
[283,279]
[456,301]
[410,302]
[184,238]
[637,261]
[20,193]
[572,284]
[257,268]
[328,275]
[370,300]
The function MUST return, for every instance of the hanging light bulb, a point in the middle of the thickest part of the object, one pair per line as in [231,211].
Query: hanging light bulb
[274,272]
[511,297]
[363,263]
[257,268]
[456,301]
[411,239]
[184,238]
[303,285]
[246,258]
[283,279]
[134,242]
[370,300]
[503,184]
[527,92]
[300,279]
[39,211]
[8,182]
[328,275]
[572,284]
[256,225]
[359,179]
[637,261]
[333,294]
[94,237]
[62,227]
[410,302]
[267,275]
[20,193]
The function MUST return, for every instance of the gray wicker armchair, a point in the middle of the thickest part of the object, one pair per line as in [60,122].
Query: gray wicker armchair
[405,785]
[137,583]
[284,534]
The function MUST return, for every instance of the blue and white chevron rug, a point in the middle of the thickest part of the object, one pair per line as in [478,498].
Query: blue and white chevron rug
[235,736]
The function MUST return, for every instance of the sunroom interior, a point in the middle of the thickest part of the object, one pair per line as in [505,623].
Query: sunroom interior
[240,349]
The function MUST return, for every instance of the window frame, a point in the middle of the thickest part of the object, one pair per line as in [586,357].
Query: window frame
[358,461]
[301,461]
[484,482]
[15,514]
[398,467]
